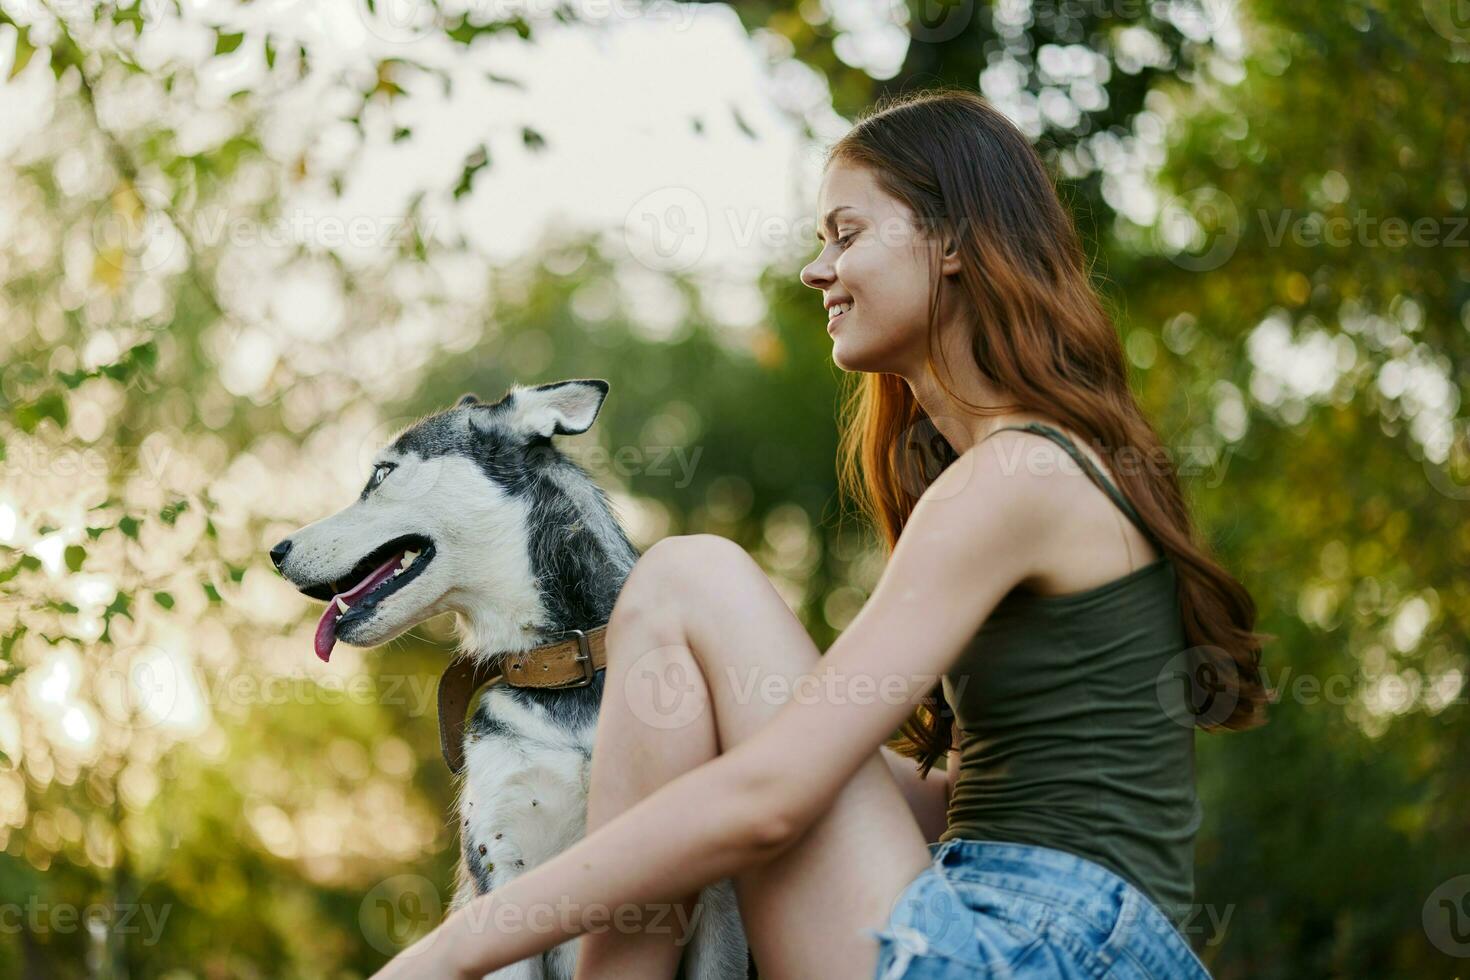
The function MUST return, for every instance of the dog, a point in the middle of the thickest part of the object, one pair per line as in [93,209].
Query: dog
[475,511]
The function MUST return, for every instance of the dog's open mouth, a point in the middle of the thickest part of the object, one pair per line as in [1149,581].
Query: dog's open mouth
[352,599]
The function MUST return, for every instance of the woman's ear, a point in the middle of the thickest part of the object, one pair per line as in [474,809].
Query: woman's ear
[949,263]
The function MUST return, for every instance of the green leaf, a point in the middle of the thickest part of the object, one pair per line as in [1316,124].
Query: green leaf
[742,124]
[164,599]
[120,606]
[212,593]
[23,50]
[171,513]
[225,43]
[473,164]
[75,554]
[129,526]
[132,16]
[145,355]
[465,32]
[51,405]
[270,52]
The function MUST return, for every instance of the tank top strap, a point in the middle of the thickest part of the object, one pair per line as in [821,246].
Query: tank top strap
[1097,476]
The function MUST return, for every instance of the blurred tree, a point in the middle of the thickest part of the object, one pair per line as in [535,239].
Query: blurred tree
[1287,336]
[1307,293]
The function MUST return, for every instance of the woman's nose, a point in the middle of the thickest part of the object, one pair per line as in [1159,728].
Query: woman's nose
[817,273]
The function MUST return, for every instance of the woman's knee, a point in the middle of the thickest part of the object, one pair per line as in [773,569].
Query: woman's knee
[668,577]
[680,569]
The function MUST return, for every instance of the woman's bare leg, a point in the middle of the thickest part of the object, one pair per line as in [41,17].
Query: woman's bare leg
[640,746]
[717,628]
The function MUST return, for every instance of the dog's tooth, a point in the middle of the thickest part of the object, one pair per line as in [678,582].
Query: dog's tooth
[342,606]
[408,557]
[403,565]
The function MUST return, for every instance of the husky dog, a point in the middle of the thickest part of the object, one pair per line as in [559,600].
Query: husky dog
[474,511]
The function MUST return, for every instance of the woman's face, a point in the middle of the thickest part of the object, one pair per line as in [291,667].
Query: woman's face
[875,265]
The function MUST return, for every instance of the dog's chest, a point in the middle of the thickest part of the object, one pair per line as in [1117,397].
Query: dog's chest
[525,792]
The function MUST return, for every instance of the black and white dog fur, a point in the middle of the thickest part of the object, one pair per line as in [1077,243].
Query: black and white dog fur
[487,519]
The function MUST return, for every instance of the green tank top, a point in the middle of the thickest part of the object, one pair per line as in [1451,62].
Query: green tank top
[1068,739]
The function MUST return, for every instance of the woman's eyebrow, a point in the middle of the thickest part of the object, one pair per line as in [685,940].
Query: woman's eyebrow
[828,221]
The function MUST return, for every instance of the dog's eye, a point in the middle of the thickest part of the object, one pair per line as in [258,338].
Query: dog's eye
[380,472]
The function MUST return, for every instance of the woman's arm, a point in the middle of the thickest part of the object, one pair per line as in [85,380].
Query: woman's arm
[696,829]
[968,541]
[927,796]
[978,531]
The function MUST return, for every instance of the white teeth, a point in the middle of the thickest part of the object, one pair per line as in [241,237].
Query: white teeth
[342,606]
[408,557]
[838,310]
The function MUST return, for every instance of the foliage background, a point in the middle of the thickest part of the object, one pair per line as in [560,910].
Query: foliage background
[1274,195]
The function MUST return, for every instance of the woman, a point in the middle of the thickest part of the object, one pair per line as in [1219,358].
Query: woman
[1058,593]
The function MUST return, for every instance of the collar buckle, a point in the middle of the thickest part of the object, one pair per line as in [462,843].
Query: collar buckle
[583,657]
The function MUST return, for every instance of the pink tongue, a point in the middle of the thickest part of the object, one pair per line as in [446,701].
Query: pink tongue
[326,627]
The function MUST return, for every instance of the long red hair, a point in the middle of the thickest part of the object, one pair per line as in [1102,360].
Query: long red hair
[1042,337]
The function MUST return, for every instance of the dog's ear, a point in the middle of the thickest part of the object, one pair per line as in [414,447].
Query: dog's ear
[563,408]
[470,398]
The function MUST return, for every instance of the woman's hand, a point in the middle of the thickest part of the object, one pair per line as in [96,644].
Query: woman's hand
[434,957]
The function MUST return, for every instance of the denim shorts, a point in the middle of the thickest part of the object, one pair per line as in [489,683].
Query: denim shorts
[993,909]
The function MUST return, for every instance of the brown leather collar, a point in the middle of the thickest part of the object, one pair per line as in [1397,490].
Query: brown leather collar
[566,663]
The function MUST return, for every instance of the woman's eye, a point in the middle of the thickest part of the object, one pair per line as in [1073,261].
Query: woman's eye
[846,240]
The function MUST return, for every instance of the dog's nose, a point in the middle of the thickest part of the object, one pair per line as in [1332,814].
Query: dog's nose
[280,551]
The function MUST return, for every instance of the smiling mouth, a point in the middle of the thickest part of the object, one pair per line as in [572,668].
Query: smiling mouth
[355,598]
[832,320]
